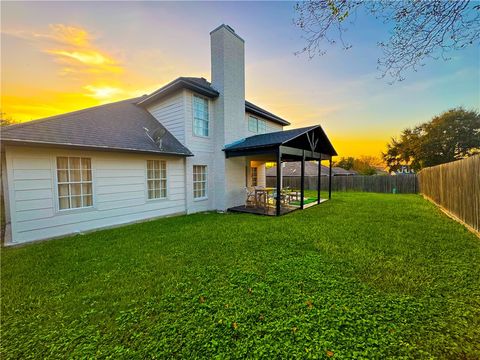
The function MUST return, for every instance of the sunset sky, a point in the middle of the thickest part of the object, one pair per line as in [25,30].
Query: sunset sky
[63,56]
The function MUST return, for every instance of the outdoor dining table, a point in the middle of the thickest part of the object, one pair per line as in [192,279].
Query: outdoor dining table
[265,191]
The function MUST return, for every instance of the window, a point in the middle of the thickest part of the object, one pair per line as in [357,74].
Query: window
[262,126]
[257,125]
[199,181]
[157,179]
[200,116]
[254,173]
[74,180]
[252,124]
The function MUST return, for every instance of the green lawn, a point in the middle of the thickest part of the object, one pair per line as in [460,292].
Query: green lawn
[364,275]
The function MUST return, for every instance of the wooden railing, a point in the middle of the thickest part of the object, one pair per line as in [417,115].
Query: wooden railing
[455,187]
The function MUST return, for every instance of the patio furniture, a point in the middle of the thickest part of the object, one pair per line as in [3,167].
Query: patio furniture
[295,195]
[251,199]
[262,196]
[284,197]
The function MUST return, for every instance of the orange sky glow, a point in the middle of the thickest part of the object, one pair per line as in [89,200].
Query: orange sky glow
[53,67]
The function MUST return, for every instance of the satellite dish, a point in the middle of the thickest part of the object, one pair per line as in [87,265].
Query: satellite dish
[157,136]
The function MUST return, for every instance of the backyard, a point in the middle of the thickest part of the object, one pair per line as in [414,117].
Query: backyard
[364,275]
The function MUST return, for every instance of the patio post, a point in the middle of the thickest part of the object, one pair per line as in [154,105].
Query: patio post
[279,175]
[319,181]
[302,180]
[330,179]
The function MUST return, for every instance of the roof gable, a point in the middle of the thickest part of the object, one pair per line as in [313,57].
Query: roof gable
[203,87]
[295,137]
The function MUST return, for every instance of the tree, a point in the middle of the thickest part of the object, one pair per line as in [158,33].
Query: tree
[6,120]
[364,165]
[450,136]
[421,29]
[345,163]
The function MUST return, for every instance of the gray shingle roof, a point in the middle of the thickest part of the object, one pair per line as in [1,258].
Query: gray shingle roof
[199,85]
[294,169]
[116,126]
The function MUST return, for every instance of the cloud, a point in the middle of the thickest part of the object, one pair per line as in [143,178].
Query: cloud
[69,35]
[73,47]
[89,61]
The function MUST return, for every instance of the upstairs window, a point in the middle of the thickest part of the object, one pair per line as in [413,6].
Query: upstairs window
[74,181]
[257,126]
[200,116]
[157,179]
[252,124]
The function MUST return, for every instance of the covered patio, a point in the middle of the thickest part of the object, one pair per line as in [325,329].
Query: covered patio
[303,144]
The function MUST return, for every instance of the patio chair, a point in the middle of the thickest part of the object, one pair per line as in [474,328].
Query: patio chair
[284,198]
[250,200]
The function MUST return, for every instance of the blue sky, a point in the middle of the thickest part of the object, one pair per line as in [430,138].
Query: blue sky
[146,44]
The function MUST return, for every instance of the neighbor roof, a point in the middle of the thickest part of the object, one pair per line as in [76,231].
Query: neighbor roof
[294,169]
[203,87]
[117,126]
[311,169]
[342,171]
[281,138]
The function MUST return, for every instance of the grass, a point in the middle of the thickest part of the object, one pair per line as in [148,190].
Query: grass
[361,276]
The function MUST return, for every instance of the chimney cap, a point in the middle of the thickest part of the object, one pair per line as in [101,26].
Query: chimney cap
[227,27]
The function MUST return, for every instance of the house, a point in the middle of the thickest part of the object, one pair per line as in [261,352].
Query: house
[292,169]
[188,147]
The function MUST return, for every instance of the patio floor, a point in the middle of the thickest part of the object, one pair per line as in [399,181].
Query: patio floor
[270,211]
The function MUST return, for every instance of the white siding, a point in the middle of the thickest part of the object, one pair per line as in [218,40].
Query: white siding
[271,126]
[170,112]
[203,149]
[119,186]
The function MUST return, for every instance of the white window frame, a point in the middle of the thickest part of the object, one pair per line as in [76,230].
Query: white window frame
[160,179]
[205,182]
[207,112]
[254,169]
[69,183]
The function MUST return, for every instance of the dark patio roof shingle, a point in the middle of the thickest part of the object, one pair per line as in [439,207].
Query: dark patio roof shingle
[117,126]
[280,138]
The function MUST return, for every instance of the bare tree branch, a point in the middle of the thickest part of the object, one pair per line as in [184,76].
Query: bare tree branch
[422,29]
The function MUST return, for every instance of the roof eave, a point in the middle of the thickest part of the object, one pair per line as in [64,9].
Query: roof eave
[271,117]
[23,142]
[175,85]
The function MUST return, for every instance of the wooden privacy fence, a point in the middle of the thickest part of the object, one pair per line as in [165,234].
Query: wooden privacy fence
[455,187]
[403,184]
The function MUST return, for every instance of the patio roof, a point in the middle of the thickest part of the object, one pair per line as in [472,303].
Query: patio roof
[292,144]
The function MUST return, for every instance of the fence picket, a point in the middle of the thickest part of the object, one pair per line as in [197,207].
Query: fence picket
[455,187]
[404,184]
